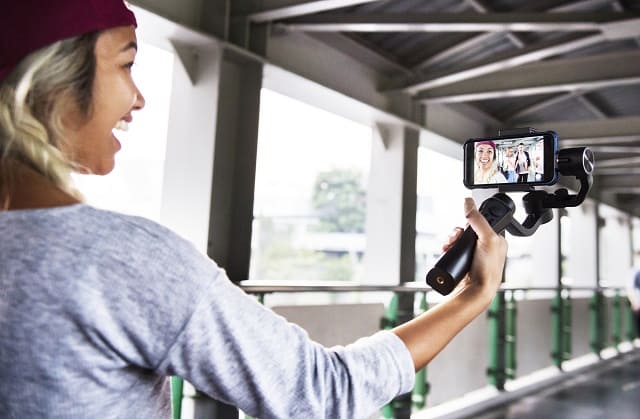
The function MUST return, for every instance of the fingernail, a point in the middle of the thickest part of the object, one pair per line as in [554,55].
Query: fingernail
[469,205]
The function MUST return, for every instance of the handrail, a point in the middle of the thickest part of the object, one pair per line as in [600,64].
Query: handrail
[263,287]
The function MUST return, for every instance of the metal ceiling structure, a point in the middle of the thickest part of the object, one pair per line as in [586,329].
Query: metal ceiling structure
[518,62]
[572,64]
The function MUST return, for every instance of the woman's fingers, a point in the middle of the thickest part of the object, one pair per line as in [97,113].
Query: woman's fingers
[491,249]
[478,223]
[453,237]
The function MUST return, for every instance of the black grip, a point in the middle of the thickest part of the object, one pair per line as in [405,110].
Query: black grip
[454,264]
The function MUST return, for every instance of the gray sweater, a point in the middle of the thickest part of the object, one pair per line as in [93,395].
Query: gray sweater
[98,308]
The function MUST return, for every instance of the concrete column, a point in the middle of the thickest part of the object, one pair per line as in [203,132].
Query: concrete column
[234,166]
[190,141]
[582,250]
[615,245]
[391,206]
[544,254]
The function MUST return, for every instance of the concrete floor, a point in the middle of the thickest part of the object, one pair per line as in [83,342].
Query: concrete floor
[603,393]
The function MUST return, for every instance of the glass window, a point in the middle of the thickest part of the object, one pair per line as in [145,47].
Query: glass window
[310,193]
[519,270]
[439,208]
[135,185]
[615,247]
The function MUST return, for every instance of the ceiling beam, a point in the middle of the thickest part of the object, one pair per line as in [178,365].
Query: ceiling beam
[618,171]
[479,6]
[596,132]
[520,114]
[472,41]
[500,62]
[453,50]
[618,181]
[458,22]
[624,29]
[591,107]
[363,51]
[621,161]
[615,149]
[560,75]
[604,140]
[623,190]
[298,8]
[579,5]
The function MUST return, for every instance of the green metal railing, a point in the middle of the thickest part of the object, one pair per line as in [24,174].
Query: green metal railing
[502,362]
[176,397]
[597,325]
[561,327]
[630,322]
[497,342]
[421,389]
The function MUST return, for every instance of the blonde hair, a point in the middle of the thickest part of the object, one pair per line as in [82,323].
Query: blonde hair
[480,176]
[33,99]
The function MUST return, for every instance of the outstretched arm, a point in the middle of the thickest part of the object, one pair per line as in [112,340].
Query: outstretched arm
[427,335]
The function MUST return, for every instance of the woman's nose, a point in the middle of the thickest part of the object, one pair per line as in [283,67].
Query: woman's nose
[139,102]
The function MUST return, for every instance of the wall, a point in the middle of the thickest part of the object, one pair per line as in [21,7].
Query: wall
[461,367]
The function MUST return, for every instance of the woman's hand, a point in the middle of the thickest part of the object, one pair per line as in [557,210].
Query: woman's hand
[485,274]
[427,334]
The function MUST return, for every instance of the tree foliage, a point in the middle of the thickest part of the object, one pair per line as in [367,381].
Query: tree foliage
[339,200]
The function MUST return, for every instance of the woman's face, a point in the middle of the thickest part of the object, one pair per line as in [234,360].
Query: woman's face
[484,155]
[91,142]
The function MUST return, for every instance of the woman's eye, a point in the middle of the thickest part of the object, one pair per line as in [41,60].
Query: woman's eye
[129,65]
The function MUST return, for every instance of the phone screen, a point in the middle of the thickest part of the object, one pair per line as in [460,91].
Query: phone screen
[525,159]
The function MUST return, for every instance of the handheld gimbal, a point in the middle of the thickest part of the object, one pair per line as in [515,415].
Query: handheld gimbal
[499,211]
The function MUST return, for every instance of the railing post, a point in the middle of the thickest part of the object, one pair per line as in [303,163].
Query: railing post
[561,327]
[176,384]
[421,389]
[616,318]
[596,321]
[631,322]
[389,321]
[510,336]
[556,328]
[566,327]
[496,370]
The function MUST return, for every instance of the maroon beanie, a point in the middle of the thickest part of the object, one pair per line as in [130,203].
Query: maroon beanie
[28,25]
[487,142]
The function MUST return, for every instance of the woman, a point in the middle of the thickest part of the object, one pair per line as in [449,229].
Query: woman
[510,165]
[98,308]
[523,161]
[486,167]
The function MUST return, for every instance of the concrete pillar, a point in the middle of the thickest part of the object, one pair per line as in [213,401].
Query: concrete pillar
[190,141]
[544,254]
[234,167]
[391,206]
[582,251]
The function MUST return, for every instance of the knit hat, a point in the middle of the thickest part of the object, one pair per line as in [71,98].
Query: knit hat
[28,25]
[491,143]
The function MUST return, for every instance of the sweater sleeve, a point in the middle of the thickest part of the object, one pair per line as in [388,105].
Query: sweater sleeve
[183,316]
[240,352]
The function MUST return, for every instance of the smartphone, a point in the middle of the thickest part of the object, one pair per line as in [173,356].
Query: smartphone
[513,160]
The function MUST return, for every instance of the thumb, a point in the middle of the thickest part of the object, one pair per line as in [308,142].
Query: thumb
[477,221]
